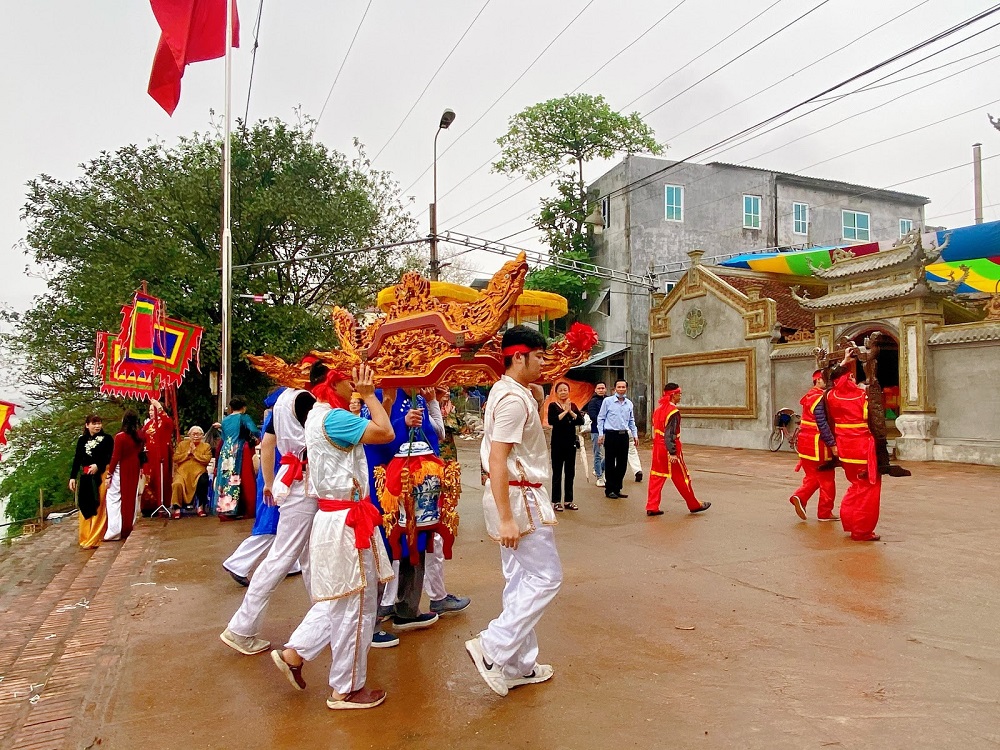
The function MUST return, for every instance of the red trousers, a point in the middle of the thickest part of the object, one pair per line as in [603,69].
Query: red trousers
[678,473]
[814,479]
[859,508]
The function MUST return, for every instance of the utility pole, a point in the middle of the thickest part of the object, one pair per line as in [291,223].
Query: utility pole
[977,179]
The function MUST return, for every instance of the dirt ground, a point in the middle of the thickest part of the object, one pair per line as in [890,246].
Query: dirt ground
[741,627]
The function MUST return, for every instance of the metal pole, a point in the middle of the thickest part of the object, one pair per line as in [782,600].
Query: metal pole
[225,374]
[433,214]
[977,179]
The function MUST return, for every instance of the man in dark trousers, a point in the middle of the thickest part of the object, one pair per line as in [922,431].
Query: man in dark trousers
[615,427]
[593,409]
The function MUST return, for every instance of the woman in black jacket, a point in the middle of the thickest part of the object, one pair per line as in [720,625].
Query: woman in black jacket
[564,418]
[93,454]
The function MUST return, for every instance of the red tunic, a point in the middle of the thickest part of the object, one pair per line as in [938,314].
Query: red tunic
[126,459]
[159,433]
[847,406]
[810,445]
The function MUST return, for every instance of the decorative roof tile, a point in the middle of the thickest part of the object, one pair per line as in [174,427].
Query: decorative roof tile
[896,256]
[790,314]
[966,333]
[861,296]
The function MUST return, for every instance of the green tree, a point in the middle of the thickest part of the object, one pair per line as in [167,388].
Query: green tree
[153,213]
[558,137]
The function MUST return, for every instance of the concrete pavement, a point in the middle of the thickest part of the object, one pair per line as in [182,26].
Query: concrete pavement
[741,627]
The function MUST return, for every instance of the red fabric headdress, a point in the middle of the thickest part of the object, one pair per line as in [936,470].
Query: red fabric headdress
[326,392]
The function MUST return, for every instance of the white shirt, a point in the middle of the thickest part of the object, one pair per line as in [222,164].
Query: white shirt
[511,416]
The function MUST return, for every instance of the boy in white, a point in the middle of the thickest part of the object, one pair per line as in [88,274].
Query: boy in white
[519,516]
[347,557]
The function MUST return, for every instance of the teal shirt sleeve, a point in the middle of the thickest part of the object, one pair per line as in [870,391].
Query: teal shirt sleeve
[343,428]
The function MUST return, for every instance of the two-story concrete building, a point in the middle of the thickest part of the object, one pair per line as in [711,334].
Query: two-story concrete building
[657,210]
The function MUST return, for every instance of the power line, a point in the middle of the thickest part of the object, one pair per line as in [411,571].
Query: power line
[743,53]
[806,67]
[628,46]
[333,254]
[604,65]
[421,95]
[748,130]
[505,92]
[342,63]
[642,182]
[253,60]
[726,38]
[955,213]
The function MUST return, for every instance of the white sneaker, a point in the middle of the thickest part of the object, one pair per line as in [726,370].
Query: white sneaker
[492,675]
[245,644]
[600,481]
[540,673]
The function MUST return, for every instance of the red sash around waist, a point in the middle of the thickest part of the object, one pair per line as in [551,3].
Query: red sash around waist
[525,483]
[362,516]
[294,472]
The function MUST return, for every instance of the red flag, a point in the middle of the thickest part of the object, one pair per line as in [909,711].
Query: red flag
[190,31]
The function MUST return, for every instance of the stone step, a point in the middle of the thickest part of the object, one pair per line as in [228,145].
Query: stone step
[49,654]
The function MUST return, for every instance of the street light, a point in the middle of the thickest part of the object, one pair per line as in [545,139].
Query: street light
[447,118]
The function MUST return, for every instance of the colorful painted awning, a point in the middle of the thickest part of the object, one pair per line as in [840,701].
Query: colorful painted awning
[976,246]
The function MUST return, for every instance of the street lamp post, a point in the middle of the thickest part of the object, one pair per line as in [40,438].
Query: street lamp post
[447,118]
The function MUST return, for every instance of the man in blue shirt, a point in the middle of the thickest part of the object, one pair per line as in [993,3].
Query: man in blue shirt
[615,427]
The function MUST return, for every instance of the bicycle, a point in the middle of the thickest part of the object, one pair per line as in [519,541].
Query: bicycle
[786,427]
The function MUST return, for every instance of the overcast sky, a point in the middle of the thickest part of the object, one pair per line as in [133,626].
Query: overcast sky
[75,78]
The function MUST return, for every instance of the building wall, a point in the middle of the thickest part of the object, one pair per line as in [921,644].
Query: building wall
[791,376]
[967,401]
[826,218]
[718,384]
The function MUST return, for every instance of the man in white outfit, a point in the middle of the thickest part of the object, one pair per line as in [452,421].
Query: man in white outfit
[347,557]
[519,516]
[288,489]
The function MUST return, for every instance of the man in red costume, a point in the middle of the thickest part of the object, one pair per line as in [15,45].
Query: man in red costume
[158,431]
[847,408]
[817,447]
[668,455]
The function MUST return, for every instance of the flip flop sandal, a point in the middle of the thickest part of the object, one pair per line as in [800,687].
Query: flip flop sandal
[572,506]
[557,507]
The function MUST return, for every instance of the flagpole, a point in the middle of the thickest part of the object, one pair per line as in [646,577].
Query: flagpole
[225,371]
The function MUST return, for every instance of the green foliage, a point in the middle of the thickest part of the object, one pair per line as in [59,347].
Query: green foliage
[559,136]
[153,213]
[578,127]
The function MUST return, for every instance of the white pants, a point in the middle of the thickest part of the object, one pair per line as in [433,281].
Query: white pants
[433,576]
[291,544]
[248,555]
[633,458]
[346,625]
[113,500]
[533,574]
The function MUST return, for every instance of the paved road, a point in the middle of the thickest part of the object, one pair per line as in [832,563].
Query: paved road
[738,628]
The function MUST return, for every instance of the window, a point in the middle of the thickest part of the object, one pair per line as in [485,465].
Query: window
[606,210]
[856,225]
[800,218]
[751,212]
[905,225]
[602,304]
[673,203]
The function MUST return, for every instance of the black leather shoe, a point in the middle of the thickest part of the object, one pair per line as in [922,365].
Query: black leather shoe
[654,512]
[241,580]
[621,494]
[638,476]
[612,495]
[704,506]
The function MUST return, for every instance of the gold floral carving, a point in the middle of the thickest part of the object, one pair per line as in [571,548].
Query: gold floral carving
[992,308]
[423,340]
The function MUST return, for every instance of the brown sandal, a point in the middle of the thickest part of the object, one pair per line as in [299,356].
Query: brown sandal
[363,698]
[292,674]
[558,507]
[572,506]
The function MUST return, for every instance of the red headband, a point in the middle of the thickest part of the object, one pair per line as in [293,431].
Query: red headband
[510,351]
[672,390]
[326,392]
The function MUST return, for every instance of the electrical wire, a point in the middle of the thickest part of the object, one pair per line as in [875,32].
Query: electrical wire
[800,70]
[253,60]
[505,92]
[342,63]
[421,95]
[742,54]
